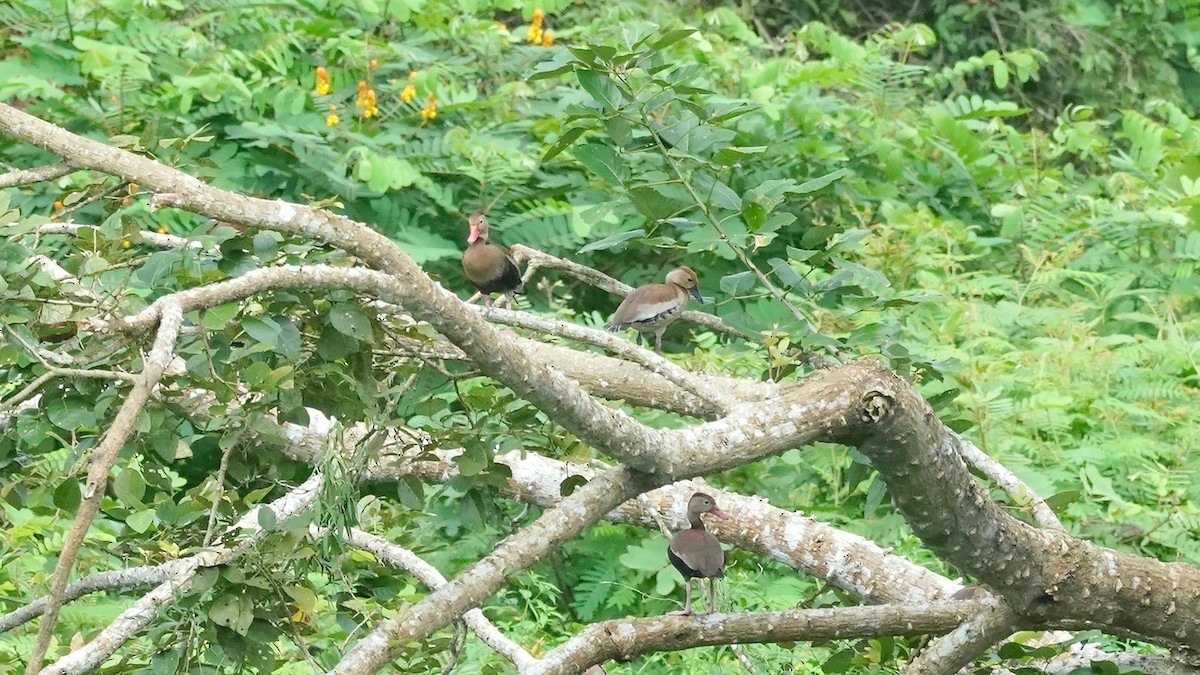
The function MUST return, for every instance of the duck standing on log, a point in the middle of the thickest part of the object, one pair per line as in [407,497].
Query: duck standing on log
[651,308]
[489,267]
[696,553]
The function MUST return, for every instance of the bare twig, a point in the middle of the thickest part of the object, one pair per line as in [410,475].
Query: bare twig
[1008,481]
[138,616]
[583,507]
[993,622]
[398,556]
[19,177]
[102,459]
[131,577]
[157,239]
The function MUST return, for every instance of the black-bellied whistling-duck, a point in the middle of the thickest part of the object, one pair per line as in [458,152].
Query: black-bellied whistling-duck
[651,308]
[489,267]
[695,552]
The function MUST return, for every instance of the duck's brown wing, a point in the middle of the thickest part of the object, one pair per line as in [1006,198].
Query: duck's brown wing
[491,269]
[647,304]
[696,553]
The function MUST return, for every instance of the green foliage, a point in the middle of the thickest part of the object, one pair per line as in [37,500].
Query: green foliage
[894,197]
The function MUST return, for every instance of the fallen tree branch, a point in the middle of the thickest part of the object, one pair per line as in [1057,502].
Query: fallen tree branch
[101,461]
[625,639]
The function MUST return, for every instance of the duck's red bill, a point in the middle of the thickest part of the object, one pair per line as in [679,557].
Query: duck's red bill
[719,513]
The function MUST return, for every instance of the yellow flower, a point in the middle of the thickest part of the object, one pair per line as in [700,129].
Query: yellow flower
[408,93]
[58,205]
[374,64]
[332,118]
[413,73]
[133,188]
[430,110]
[162,229]
[535,27]
[322,81]
[547,39]
[370,109]
[125,243]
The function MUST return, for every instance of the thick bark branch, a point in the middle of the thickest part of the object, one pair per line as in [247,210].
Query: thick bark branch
[102,460]
[846,560]
[1047,576]
[612,378]
[624,639]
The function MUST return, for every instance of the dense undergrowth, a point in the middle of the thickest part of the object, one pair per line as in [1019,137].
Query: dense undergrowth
[1038,276]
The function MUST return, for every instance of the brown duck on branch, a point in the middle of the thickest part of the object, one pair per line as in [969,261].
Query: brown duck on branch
[651,308]
[489,267]
[696,553]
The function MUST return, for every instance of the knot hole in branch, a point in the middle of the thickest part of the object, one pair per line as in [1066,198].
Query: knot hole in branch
[876,405]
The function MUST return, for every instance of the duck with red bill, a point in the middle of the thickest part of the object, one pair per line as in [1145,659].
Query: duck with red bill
[696,553]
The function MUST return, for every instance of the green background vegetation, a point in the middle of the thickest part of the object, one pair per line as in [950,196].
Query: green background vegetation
[996,199]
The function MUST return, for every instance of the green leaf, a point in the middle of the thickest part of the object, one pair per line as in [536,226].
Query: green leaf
[731,155]
[349,320]
[559,62]
[568,137]
[613,241]
[232,611]
[67,495]
[1000,74]
[570,483]
[716,193]
[141,521]
[262,329]
[129,487]
[822,182]
[738,283]
[604,162]
[600,87]
[411,492]
[649,556]
[219,317]
[266,518]
[875,496]
[474,459]
[671,37]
